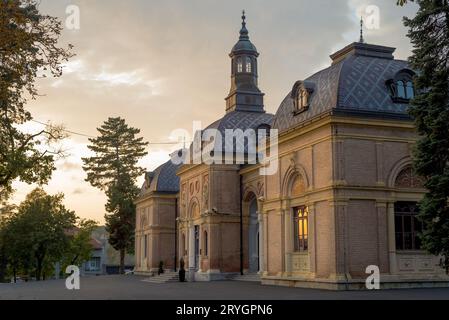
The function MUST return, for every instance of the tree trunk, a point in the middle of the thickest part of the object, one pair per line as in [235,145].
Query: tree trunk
[122,261]
[38,270]
[14,270]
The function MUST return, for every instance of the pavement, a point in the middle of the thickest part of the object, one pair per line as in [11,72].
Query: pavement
[133,288]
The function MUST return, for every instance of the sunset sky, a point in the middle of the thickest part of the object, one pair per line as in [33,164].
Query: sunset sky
[163,64]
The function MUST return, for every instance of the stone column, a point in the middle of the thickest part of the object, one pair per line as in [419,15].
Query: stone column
[312,237]
[191,250]
[391,239]
[261,243]
[288,239]
[265,246]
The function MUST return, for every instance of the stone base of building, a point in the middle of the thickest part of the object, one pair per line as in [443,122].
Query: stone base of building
[386,283]
[214,276]
[150,272]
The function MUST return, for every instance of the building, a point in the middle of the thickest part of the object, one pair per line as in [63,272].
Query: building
[343,198]
[105,259]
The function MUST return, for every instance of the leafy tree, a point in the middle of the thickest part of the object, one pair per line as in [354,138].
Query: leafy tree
[114,170]
[429,34]
[28,50]
[79,249]
[37,232]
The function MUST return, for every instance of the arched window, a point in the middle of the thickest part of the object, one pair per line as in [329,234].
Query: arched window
[409,90]
[248,65]
[401,86]
[408,179]
[206,243]
[401,89]
[239,65]
[301,93]
[301,228]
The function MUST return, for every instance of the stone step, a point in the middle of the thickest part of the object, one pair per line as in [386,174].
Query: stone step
[163,278]
[247,278]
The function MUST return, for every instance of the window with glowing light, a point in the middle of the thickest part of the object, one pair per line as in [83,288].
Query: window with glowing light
[301,228]
[239,65]
[248,65]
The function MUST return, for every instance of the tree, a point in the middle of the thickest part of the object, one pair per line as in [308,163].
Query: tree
[28,50]
[114,170]
[79,249]
[37,232]
[429,34]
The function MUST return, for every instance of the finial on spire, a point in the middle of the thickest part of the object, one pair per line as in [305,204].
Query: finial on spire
[361,40]
[244,31]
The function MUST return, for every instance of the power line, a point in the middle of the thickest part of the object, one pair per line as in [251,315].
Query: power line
[89,136]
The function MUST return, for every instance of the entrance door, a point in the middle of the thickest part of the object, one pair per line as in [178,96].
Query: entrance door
[197,247]
[253,238]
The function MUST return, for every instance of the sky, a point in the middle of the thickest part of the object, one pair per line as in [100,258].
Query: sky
[163,64]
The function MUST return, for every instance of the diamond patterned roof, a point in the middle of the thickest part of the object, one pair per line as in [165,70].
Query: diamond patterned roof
[355,83]
[162,179]
[240,120]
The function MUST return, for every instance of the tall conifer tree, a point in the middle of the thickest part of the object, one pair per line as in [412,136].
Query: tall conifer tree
[114,170]
[429,34]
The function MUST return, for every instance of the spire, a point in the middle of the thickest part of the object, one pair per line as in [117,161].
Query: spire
[361,40]
[244,31]
[244,94]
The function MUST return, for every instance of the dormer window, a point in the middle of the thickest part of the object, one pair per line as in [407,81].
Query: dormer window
[401,87]
[248,65]
[239,65]
[301,93]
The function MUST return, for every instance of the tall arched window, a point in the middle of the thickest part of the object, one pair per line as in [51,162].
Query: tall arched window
[301,225]
[239,65]
[406,222]
[248,65]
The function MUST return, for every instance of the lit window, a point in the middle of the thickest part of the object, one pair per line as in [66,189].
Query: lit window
[239,65]
[248,65]
[301,228]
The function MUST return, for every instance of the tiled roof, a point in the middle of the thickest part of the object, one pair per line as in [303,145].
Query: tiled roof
[162,179]
[355,83]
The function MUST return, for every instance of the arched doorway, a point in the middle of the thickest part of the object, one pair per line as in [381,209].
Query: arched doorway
[253,238]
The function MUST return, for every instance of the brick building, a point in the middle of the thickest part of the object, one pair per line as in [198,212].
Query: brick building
[343,197]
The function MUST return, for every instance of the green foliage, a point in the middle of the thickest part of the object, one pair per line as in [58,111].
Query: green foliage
[429,34]
[36,233]
[79,248]
[41,232]
[28,50]
[114,170]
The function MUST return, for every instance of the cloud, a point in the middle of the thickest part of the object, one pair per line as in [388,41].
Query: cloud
[163,64]
[78,191]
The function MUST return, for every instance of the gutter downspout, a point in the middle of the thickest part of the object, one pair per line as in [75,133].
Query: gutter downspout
[241,226]
[176,232]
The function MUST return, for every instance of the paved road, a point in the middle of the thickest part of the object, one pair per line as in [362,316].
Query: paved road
[132,287]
